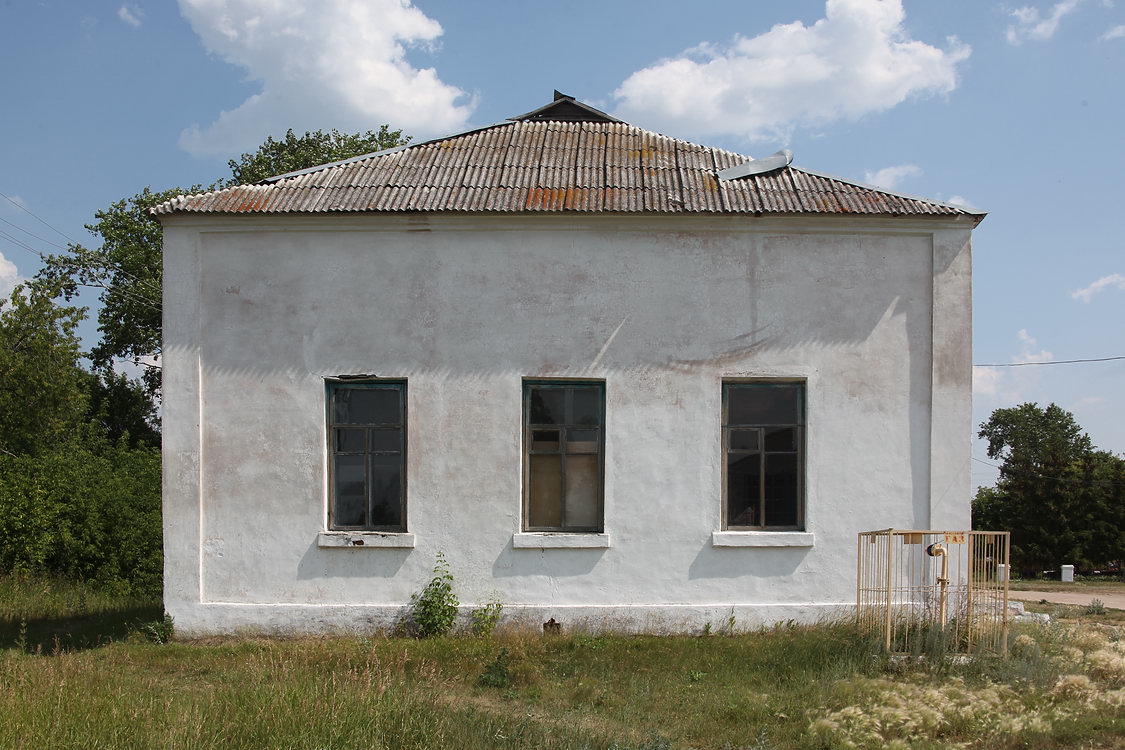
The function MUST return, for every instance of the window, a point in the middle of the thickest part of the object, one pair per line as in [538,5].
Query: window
[763,447]
[367,434]
[563,445]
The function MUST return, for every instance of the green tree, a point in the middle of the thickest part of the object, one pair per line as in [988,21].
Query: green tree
[126,265]
[293,153]
[120,409]
[42,394]
[1056,493]
[127,268]
[86,509]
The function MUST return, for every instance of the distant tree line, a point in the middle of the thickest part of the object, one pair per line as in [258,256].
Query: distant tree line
[79,440]
[1062,498]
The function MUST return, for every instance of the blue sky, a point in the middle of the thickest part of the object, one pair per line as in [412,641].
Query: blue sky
[1013,107]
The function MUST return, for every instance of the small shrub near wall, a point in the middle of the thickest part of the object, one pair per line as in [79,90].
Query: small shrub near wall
[433,610]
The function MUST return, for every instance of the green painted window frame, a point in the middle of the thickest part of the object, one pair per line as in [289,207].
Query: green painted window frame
[529,428]
[333,387]
[801,451]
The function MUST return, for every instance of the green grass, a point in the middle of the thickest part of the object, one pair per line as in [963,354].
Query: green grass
[46,615]
[766,689]
[1092,586]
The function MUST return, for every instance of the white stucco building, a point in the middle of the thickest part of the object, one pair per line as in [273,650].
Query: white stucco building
[617,378]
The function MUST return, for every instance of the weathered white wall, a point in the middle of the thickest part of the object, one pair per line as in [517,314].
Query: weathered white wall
[875,314]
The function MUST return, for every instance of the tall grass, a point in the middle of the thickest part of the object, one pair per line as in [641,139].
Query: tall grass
[47,614]
[784,687]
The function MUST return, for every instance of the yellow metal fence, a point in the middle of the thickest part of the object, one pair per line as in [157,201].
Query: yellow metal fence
[925,591]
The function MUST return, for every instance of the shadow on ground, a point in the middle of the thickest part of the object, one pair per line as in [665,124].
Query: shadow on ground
[50,635]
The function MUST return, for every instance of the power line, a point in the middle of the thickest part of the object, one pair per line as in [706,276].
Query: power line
[1054,362]
[28,211]
[1056,479]
[33,234]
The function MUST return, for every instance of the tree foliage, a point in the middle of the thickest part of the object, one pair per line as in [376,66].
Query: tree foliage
[1063,500]
[86,509]
[293,152]
[79,476]
[41,384]
[127,268]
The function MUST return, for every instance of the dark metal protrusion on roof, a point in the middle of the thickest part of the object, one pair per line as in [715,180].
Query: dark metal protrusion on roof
[777,160]
[566,108]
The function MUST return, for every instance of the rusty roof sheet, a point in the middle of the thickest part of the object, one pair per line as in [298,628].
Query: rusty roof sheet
[548,166]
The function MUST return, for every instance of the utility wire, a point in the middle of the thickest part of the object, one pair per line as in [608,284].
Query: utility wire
[1057,479]
[33,234]
[1054,362]
[118,266]
[28,211]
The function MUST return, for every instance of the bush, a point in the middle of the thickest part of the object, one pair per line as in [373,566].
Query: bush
[497,674]
[1095,607]
[159,631]
[87,511]
[483,619]
[434,608]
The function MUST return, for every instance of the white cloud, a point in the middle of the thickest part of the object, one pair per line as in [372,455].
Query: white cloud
[1087,294]
[987,381]
[130,14]
[1031,25]
[963,202]
[9,276]
[1010,385]
[333,63]
[1117,32]
[1029,343]
[856,60]
[1087,402]
[889,177]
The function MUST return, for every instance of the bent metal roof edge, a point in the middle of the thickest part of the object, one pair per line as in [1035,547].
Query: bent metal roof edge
[556,166]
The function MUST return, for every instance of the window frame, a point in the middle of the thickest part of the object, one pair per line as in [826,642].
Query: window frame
[527,452]
[801,451]
[331,386]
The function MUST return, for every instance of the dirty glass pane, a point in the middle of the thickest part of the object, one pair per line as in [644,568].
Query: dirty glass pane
[781,439]
[547,405]
[582,491]
[386,440]
[386,490]
[743,440]
[545,440]
[544,504]
[764,404]
[350,491]
[781,489]
[743,489]
[587,407]
[367,405]
[350,440]
[582,441]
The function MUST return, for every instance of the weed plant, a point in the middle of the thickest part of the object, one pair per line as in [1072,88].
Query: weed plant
[484,619]
[434,609]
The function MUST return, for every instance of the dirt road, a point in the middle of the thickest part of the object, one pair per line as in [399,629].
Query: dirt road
[1112,600]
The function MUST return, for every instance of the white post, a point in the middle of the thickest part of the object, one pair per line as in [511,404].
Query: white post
[1068,573]
[1001,573]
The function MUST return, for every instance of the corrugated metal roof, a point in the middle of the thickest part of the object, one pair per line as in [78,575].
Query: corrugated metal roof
[538,166]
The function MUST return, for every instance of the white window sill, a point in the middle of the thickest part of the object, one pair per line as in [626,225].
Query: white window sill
[761,539]
[559,540]
[357,539]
